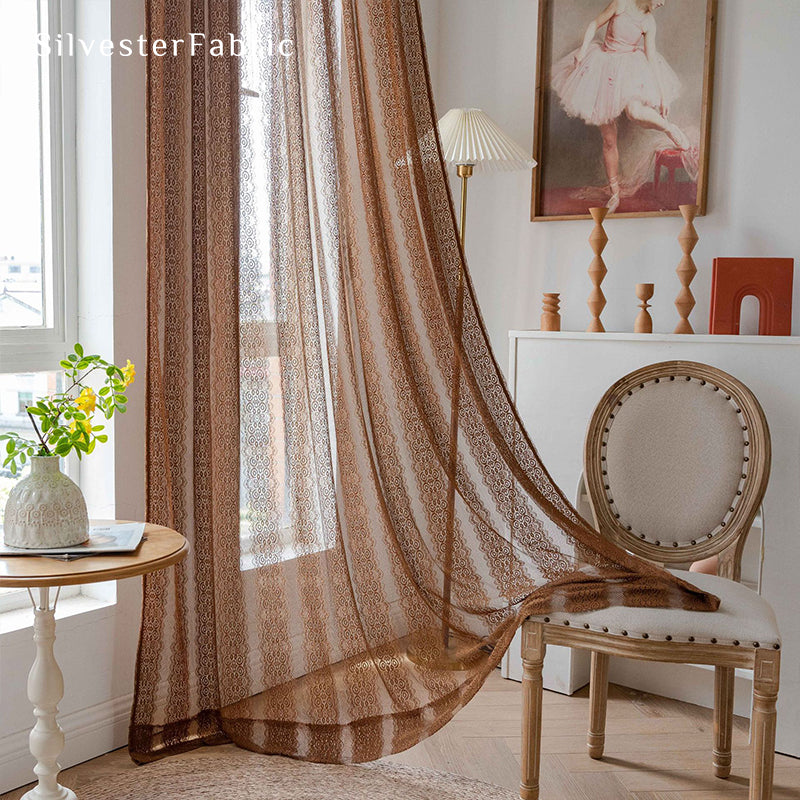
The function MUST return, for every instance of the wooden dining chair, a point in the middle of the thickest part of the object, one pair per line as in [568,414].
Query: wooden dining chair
[677,459]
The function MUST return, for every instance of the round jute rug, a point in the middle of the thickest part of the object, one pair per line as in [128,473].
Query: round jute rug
[230,774]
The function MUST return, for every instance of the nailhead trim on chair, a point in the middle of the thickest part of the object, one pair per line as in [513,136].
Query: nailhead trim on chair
[646,635]
[604,443]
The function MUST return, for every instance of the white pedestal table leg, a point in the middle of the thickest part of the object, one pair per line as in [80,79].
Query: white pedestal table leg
[45,690]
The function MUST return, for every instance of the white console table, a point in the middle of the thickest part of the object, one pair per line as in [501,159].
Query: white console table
[557,378]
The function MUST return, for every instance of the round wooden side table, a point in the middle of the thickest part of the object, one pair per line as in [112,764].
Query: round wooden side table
[161,548]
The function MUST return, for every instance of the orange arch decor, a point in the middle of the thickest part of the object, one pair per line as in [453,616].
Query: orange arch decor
[769,280]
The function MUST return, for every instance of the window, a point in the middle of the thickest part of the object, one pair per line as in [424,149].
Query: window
[38,318]
[24,399]
[269,486]
[37,176]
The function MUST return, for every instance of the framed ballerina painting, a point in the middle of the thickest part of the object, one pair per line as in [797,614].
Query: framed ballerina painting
[623,106]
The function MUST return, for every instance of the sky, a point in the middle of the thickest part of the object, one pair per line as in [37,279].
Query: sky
[20,214]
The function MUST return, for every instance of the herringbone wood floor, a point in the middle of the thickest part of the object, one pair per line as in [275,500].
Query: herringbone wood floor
[656,749]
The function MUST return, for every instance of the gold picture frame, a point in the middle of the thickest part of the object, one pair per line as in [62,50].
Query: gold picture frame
[572,175]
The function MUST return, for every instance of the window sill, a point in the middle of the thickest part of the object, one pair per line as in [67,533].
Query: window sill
[22,618]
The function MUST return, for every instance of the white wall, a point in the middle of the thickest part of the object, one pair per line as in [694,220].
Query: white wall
[484,55]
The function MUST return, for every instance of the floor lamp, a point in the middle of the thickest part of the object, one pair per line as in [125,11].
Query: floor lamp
[474,143]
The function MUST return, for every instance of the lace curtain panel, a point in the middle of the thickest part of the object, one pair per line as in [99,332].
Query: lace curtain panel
[326,422]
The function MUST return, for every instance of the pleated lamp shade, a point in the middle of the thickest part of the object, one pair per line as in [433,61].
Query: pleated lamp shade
[471,137]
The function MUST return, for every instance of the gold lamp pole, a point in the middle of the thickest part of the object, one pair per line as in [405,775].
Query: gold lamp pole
[469,138]
[464,172]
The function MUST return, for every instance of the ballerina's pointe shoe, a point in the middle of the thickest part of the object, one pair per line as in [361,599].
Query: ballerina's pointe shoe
[613,203]
[679,138]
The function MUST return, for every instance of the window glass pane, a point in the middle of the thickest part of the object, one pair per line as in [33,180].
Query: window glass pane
[21,289]
[17,391]
[265,519]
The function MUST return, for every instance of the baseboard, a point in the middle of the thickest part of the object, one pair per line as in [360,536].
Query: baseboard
[89,732]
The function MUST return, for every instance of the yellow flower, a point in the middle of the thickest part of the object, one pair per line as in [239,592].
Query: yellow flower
[87,401]
[129,373]
[84,424]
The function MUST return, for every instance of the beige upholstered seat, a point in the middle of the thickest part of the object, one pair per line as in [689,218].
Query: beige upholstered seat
[676,463]
[744,618]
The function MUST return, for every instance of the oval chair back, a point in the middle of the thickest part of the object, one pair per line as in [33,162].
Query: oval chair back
[677,459]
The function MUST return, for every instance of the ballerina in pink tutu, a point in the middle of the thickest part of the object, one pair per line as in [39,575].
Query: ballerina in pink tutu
[624,73]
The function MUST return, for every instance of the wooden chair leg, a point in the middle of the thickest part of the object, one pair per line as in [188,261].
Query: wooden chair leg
[598,700]
[766,672]
[723,720]
[533,650]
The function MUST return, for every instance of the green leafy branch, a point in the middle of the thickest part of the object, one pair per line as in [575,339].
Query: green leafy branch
[64,422]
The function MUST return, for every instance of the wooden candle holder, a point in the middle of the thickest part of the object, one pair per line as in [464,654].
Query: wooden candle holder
[686,270]
[551,319]
[597,270]
[644,322]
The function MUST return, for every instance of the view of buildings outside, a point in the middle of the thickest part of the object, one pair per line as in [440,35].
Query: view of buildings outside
[20,293]
[20,307]
[21,199]
[21,203]
[17,391]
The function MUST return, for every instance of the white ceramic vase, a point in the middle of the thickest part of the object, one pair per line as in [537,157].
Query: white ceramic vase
[46,509]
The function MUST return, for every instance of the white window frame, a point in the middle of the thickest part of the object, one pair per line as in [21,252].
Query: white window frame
[40,348]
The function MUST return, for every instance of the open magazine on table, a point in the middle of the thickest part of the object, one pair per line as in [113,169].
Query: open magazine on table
[104,539]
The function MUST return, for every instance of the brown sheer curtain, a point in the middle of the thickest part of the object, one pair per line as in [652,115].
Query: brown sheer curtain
[306,325]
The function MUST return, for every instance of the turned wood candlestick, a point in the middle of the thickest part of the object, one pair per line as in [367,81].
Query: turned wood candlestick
[597,270]
[644,322]
[551,319]
[686,269]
